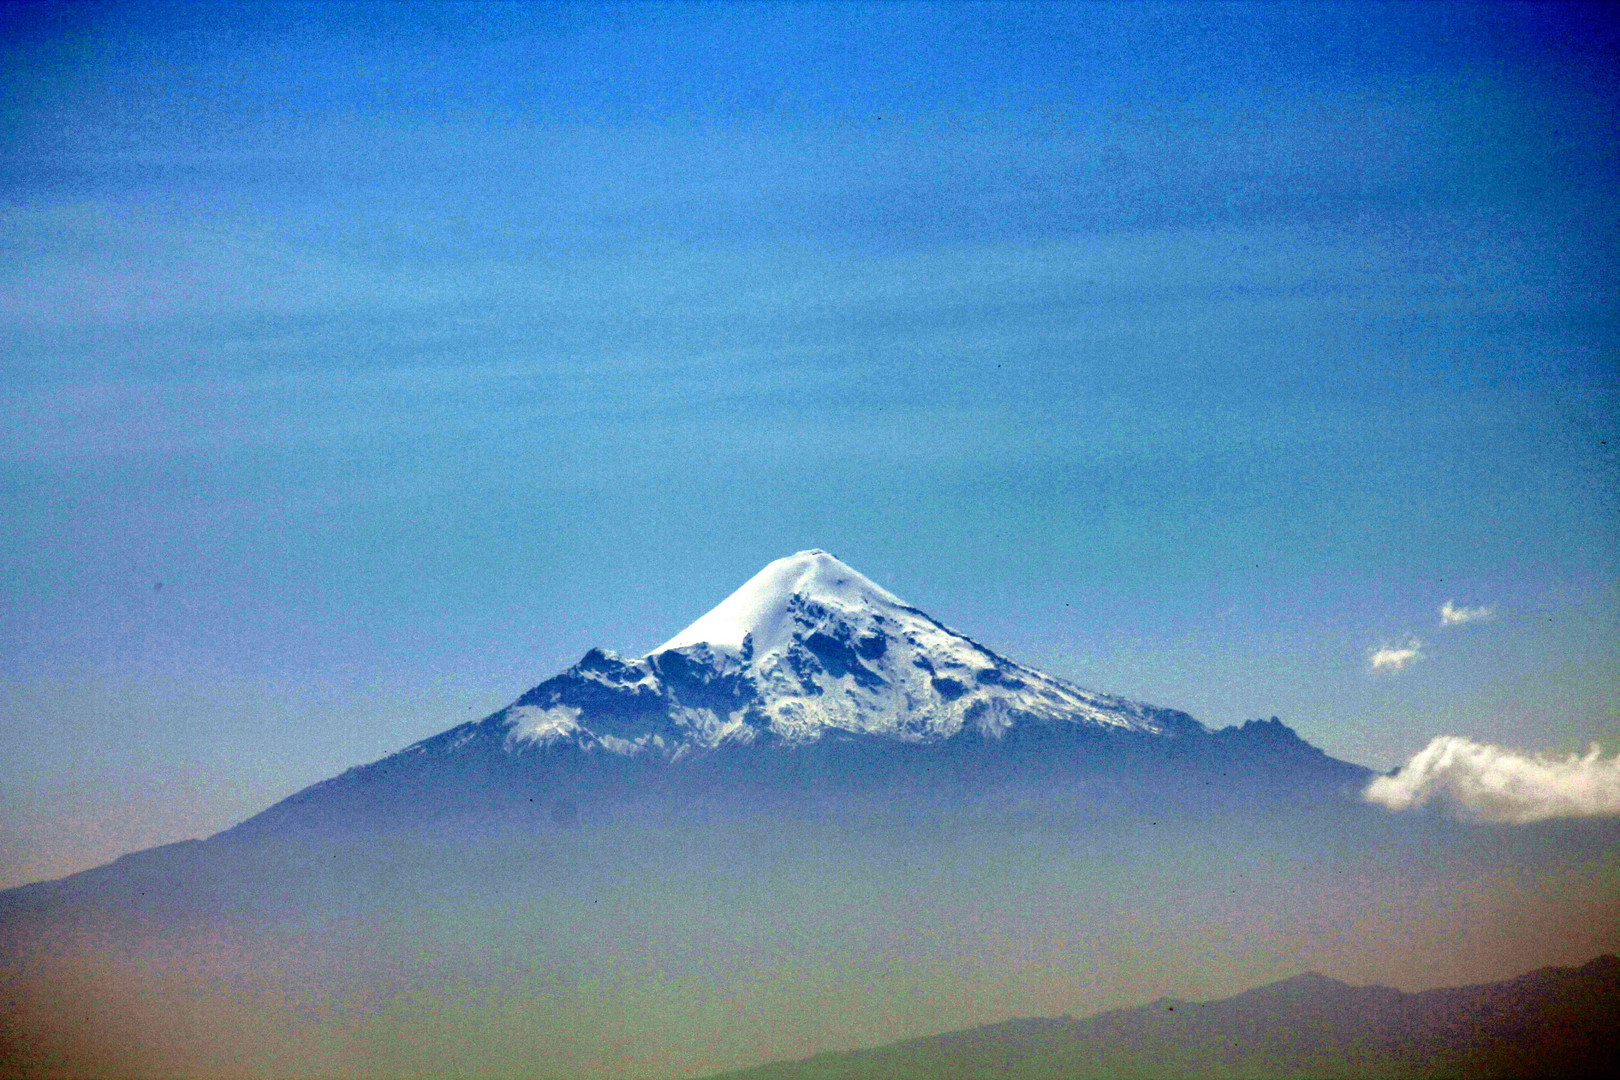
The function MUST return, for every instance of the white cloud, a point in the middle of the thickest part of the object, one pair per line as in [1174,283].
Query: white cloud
[1482,782]
[1395,657]
[1452,615]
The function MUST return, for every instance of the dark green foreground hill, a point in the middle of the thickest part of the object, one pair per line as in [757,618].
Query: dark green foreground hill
[1553,1023]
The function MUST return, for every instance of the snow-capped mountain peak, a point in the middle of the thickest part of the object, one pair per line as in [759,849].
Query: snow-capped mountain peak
[806,648]
[762,614]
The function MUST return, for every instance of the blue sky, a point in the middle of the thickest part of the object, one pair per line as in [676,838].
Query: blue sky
[361,366]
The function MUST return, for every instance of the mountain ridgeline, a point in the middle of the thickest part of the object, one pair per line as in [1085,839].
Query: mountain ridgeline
[1556,1022]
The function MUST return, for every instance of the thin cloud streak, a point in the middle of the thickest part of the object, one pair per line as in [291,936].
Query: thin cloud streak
[1487,783]
[1452,615]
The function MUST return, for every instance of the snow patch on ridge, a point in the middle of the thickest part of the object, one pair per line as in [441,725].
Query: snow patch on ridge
[532,724]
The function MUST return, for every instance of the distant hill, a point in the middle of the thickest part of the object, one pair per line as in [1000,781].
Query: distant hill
[1554,1023]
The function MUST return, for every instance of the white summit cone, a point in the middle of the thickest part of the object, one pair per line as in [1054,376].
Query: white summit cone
[760,617]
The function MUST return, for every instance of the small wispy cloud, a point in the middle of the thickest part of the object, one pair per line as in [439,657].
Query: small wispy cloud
[1452,615]
[1482,782]
[1395,657]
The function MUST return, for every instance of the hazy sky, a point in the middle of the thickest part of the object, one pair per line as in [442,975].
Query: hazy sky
[362,366]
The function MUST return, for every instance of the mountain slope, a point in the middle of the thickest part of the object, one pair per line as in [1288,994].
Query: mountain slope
[1557,1022]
